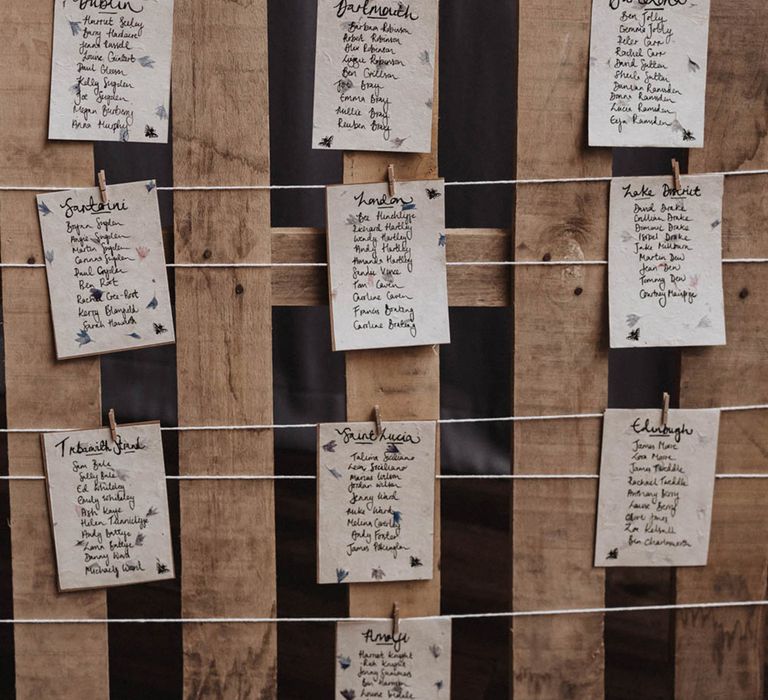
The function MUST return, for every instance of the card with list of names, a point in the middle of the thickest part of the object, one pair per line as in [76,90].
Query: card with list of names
[375,661]
[375,512]
[648,73]
[111,70]
[656,487]
[387,269]
[107,279]
[375,75]
[108,506]
[665,278]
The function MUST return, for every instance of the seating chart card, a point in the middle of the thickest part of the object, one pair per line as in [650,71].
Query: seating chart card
[665,254]
[648,73]
[375,502]
[387,269]
[656,487]
[107,278]
[375,75]
[108,506]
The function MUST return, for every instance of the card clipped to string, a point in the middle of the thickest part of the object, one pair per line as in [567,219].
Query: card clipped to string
[648,73]
[665,279]
[105,262]
[387,267]
[108,506]
[375,75]
[111,70]
[375,493]
[375,660]
[656,487]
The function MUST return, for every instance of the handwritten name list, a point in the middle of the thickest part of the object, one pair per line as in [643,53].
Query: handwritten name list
[110,79]
[374,75]
[108,506]
[374,661]
[648,73]
[375,502]
[665,262]
[386,254]
[656,488]
[106,269]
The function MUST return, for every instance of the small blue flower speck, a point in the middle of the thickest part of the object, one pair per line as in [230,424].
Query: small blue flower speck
[75,27]
[147,61]
[83,338]
[150,185]
[42,207]
[49,256]
[441,240]
[344,662]
[341,574]
[153,303]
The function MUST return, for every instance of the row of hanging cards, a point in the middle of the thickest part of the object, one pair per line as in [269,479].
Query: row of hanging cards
[648,73]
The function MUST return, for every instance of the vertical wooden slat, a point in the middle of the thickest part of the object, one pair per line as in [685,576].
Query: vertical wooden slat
[560,359]
[404,382]
[720,653]
[62,661]
[224,347]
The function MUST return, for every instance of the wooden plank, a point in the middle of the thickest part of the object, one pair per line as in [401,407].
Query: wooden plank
[720,653]
[560,359]
[404,382]
[61,661]
[224,349]
[467,286]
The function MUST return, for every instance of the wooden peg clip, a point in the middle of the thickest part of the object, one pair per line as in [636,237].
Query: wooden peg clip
[103,187]
[112,424]
[395,619]
[377,418]
[676,174]
[665,409]
[391,179]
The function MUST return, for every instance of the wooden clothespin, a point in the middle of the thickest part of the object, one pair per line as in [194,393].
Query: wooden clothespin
[676,174]
[665,409]
[112,424]
[377,418]
[103,187]
[391,179]
[395,619]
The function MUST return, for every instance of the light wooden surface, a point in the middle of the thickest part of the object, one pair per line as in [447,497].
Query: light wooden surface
[720,653]
[224,348]
[62,661]
[560,359]
[405,383]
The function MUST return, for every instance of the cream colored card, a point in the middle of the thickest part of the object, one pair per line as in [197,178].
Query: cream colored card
[387,274]
[375,75]
[372,661]
[656,487]
[665,254]
[108,506]
[375,502]
[111,70]
[107,279]
[648,73]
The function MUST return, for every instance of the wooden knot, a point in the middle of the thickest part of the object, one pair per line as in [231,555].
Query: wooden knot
[239,289]
[207,253]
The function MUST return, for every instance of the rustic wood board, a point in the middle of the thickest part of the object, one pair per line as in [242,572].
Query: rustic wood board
[52,661]
[404,382]
[720,653]
[224,347]
[560,359]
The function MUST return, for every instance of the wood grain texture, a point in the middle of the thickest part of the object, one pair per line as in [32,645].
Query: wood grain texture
[224,345]
[720,653]
[560,359]
[62,661]
[467,286]
[404,382]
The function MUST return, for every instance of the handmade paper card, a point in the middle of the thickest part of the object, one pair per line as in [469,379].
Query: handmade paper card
[665,274]
[374,661]
[648,73]
[375,75]
[375,510]
[108,506]
[111,70]
[106,269]
[656,487]
[386,256]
